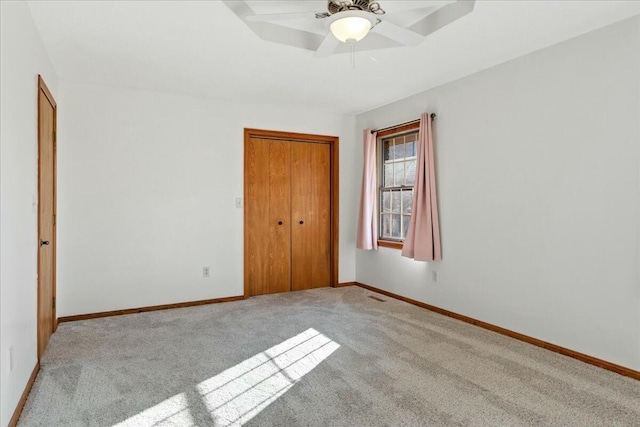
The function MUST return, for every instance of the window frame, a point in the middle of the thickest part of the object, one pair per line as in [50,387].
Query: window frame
[409,128]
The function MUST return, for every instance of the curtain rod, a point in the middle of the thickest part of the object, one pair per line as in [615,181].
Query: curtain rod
[433,117]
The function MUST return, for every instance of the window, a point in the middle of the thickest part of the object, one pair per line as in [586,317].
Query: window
[397,175]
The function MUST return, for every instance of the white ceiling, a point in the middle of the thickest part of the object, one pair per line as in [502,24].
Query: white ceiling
[201,48]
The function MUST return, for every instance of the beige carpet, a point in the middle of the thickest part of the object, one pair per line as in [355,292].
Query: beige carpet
[325,357]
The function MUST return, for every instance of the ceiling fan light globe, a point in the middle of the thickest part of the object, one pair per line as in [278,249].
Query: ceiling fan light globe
[350,28]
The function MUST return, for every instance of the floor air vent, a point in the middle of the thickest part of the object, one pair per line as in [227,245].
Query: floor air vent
[376,298]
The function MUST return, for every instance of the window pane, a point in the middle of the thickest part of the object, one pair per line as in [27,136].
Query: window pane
[399,174]
[392,149]
[407,201]
[395,202]
[410,167]
[388,175]
[395,227]
[410,148]
[406,219]
[385,202]
[386,225]
[400,151]
[386,150]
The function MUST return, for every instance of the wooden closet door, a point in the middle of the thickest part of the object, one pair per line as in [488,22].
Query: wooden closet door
[268,213]
[46,216]
[310,215]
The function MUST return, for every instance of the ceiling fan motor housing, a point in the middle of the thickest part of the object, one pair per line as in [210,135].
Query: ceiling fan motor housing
[372,6]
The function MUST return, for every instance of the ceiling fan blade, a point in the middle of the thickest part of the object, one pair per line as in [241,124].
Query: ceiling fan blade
[328,45]
[397,33]
[273,17]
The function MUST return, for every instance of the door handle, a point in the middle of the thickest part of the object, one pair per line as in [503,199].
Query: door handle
[44,243]
[279,222]
[301,222]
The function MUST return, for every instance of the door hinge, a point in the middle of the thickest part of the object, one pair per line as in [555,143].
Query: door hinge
[54,136]
[54,219]
[54,302]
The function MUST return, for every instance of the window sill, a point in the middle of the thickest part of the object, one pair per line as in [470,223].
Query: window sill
[390,244]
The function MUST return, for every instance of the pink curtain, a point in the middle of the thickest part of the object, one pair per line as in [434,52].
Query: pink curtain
[368,219]
[422,242]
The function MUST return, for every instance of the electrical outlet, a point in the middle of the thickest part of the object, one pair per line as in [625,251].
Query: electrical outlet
[205,271]
[239,202]
[10,358]
[434,276]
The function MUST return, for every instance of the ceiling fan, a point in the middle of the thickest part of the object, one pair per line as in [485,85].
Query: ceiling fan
[351,21]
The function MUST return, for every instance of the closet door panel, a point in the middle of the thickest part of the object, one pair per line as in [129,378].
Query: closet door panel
[279,238]
[257,216]
[301,243]
[311,203]
[321,215]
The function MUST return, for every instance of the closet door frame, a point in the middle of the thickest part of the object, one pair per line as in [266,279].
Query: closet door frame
[333,142]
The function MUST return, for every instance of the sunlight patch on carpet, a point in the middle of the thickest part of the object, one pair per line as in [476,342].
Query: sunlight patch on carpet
[238,394]
[171,412]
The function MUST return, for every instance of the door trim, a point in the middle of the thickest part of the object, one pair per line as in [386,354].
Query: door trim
[333,142]
[43,91]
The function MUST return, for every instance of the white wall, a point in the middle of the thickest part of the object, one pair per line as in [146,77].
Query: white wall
[147,189]
[22,58]
[537,162]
